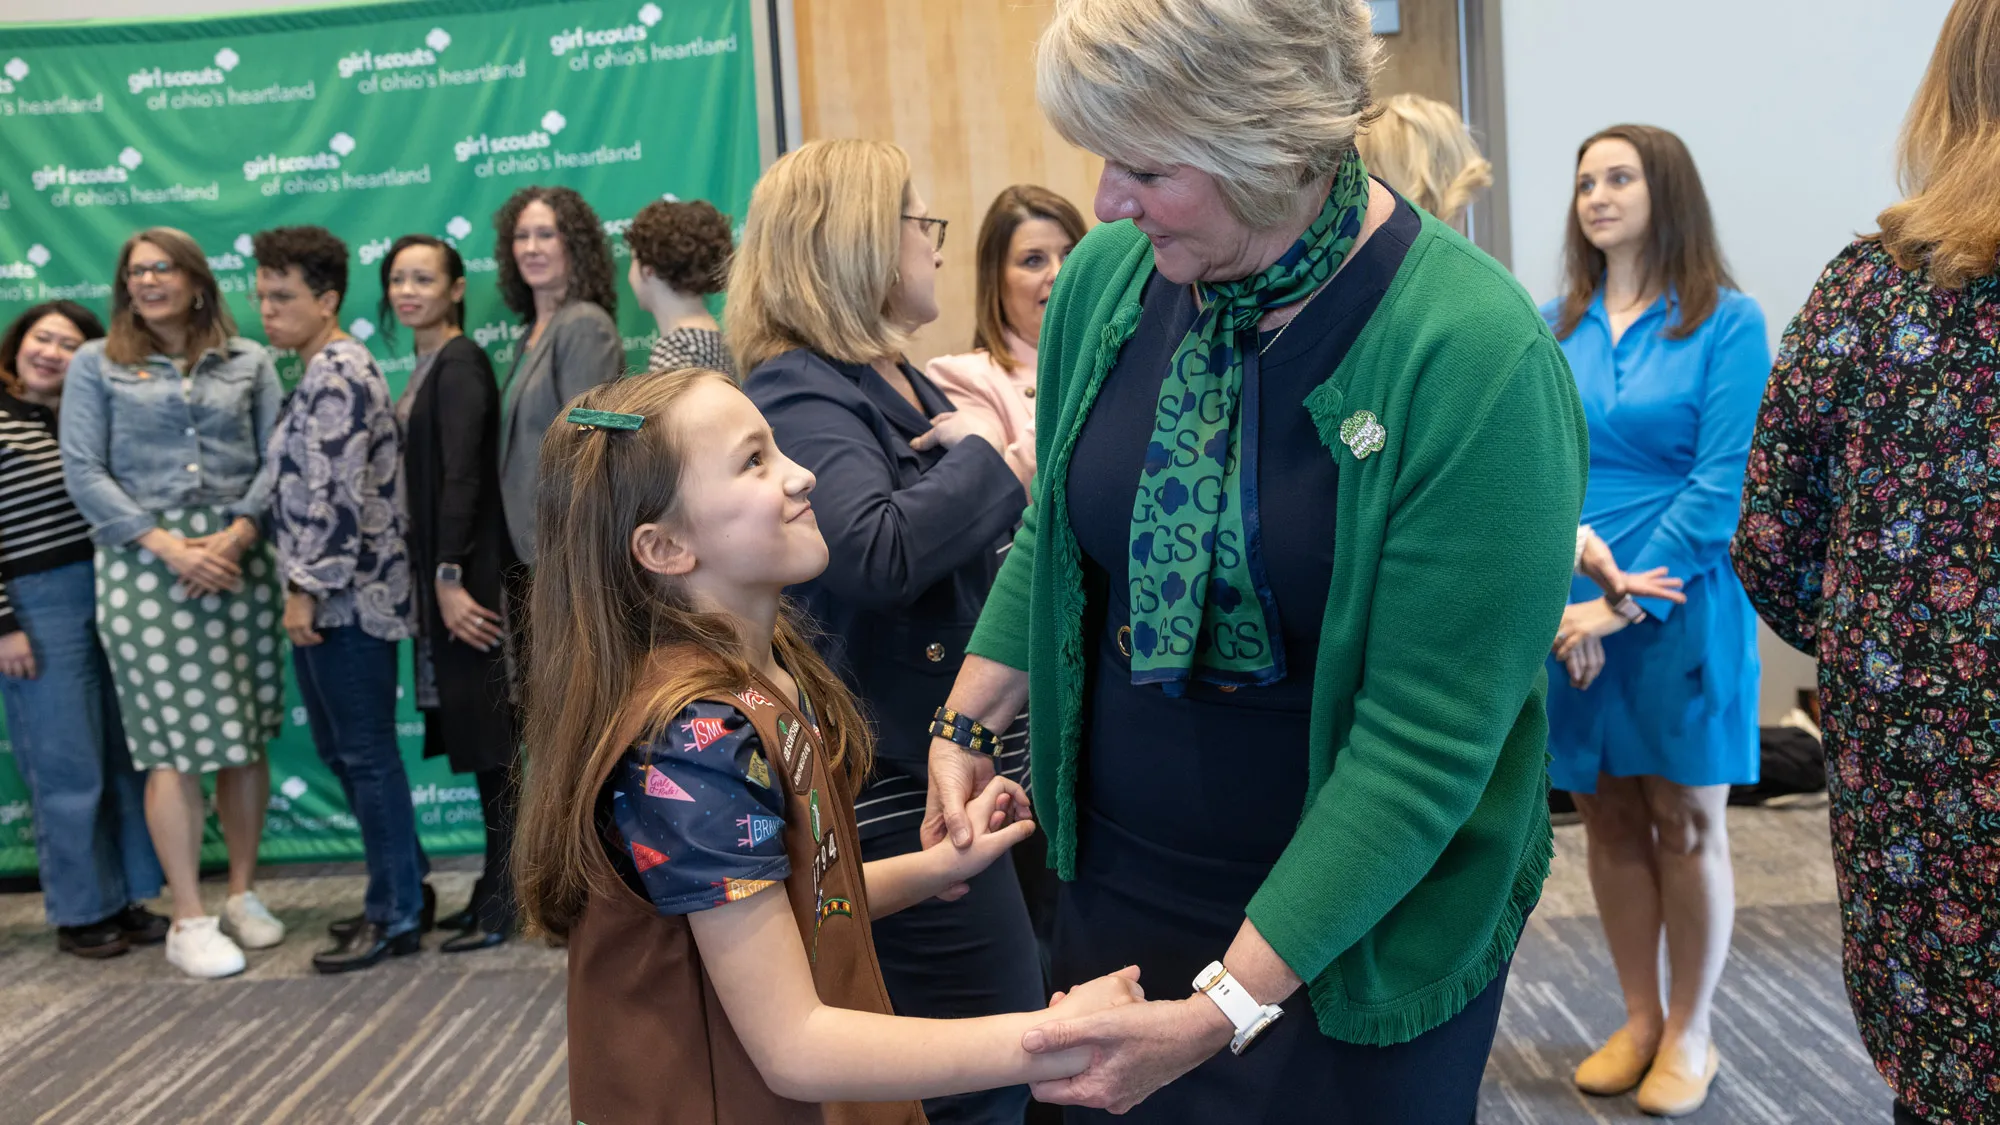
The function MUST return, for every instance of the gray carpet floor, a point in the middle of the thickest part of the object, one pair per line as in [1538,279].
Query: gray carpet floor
[478,1038]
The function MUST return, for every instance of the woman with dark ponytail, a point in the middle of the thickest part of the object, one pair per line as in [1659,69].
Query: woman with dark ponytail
[462,558]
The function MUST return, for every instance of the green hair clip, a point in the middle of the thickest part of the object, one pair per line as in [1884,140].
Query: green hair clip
[604,419]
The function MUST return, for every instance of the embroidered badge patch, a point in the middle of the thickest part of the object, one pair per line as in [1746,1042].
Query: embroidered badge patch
[661,786]
[757,829]
[812,802]
[1362,433]
[758,770]
[751,697]
[645,858]
[835,906]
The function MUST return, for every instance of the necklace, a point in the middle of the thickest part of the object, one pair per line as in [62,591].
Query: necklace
[1283,328]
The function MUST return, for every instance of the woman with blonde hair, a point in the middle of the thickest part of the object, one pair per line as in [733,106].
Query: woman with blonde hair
[1285,757]
[1867,541]
[1420,147]
[837,267]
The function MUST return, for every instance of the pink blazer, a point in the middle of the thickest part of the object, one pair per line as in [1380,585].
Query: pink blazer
[973,381]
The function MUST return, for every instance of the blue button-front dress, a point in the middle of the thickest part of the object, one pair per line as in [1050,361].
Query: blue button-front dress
[1670,425]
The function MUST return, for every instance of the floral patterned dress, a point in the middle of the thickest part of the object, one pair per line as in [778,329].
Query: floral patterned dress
[1867,540]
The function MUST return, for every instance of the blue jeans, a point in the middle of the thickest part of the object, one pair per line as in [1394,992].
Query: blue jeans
[348,683]
[90,804]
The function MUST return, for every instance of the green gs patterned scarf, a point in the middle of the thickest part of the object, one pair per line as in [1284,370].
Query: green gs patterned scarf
[1201,607]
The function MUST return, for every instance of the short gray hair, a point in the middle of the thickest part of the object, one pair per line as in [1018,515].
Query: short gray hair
[1264,95]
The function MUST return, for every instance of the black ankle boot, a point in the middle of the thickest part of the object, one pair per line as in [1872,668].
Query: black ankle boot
[343,928]
[365,947]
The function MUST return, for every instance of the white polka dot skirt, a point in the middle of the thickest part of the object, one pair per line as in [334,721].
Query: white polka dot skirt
[200,680]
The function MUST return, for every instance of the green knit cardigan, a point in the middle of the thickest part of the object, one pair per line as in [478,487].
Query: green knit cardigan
[1425,837]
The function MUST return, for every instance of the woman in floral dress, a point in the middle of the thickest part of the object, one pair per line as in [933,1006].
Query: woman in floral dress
[1867,540]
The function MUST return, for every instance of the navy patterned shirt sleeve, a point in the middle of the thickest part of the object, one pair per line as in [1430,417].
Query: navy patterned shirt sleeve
[697,812]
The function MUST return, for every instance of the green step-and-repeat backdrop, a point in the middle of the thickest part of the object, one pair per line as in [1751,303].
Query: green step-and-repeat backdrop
[373,120]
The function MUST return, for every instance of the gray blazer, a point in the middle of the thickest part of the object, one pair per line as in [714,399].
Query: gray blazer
[579,349]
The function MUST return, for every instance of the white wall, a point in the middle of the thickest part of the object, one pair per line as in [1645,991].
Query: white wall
[1791,108]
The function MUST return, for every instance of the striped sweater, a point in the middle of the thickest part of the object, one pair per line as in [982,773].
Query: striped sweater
[40,529]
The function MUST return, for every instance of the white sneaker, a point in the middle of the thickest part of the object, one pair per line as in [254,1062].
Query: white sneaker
[198,947]
[253,925]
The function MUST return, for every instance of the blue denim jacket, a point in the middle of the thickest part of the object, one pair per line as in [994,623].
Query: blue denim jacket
[141,440]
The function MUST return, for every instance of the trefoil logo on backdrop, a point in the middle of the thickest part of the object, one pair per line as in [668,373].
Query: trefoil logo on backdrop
[37,257]
[616,42]
[15,71]
[254,169]
[156,78]
[517,152]
[362,329]
[458,228]
[382,67]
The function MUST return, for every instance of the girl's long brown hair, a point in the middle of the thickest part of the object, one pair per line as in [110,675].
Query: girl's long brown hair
[1951,155]
[209,325]
[1682,254]
[596,619]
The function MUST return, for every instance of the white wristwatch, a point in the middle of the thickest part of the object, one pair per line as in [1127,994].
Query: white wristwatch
[1248,1017]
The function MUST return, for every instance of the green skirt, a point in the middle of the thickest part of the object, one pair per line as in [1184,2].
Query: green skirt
[200,680]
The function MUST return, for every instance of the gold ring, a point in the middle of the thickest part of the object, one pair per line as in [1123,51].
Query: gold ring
[1125,640]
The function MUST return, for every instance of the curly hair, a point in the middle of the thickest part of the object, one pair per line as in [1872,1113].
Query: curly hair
[320,255]
[584,244]
[686,245]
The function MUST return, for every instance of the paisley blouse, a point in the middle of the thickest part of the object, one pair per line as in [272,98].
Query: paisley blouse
[338,511]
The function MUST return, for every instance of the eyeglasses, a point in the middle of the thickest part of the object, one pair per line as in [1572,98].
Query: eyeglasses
[137,271]
[928,223]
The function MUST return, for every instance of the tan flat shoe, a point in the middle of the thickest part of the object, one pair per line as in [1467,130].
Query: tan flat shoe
[1670,1090]
[1614,1068]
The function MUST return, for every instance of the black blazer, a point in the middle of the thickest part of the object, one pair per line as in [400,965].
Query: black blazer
[451,464]
[914,539]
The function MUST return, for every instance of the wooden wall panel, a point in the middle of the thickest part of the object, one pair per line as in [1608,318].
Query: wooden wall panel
[953,82]
[1423,58]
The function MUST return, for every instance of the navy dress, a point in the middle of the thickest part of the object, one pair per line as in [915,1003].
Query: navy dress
[1670,425]
[1188,802]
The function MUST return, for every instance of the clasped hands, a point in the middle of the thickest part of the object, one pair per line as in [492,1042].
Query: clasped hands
[1580,640]
[1123,1047]
[207,564]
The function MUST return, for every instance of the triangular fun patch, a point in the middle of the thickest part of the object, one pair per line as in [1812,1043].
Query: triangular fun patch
[661,786]
[645,858]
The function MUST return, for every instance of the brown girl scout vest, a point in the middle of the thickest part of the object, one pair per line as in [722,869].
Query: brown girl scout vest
[649,1043]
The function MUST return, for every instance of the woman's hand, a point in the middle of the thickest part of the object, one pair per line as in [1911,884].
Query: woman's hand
[957,774]
[201,571]
[1585,662]
[17,656]
[1136,1049]
[230,542]
[1655,583]
[999,819]
[1591,620]
[1598,566]
[465,619]
[954,426]
[299,607]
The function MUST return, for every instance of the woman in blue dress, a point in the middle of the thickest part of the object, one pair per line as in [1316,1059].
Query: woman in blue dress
[1670,361]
